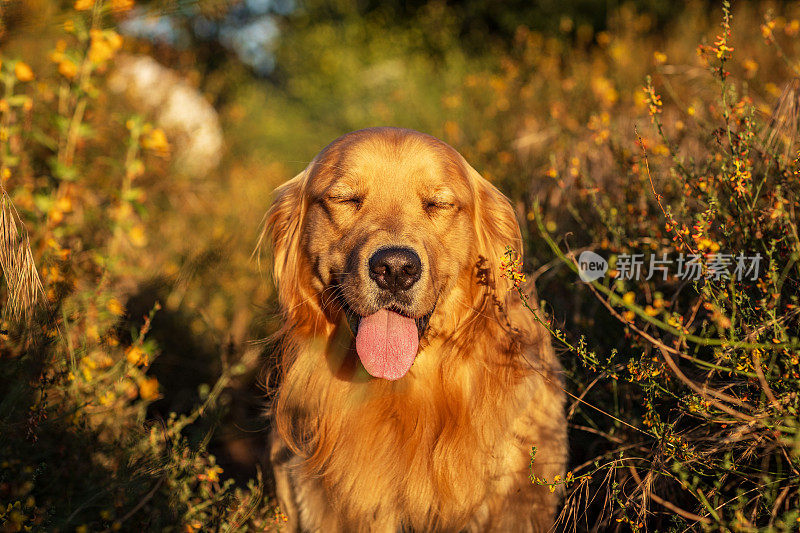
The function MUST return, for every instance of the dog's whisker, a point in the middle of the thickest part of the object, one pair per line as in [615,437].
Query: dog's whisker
[476,313]
[299,304]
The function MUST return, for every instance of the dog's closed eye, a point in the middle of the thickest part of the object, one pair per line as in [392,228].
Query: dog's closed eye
[439,201]
[346,198]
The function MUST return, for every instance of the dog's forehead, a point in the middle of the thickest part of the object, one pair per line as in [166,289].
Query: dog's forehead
[387,163]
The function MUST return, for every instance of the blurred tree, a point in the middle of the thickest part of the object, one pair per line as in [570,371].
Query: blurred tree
[480,20]
[250,30]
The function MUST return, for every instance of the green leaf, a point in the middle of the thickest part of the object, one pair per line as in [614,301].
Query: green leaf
[43,202]
[63,172]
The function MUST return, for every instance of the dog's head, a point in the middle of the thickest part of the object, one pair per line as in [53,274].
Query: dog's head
[388,228]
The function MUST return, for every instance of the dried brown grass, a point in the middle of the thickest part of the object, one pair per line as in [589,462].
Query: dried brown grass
[22,279]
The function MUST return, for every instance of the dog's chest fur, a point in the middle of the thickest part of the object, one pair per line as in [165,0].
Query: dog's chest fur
[410,454]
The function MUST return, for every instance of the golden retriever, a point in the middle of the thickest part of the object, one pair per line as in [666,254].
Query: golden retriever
[413,382]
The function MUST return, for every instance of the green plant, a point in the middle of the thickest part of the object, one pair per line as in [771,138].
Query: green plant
[702,417]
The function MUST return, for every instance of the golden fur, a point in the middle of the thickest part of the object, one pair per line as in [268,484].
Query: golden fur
[446,447]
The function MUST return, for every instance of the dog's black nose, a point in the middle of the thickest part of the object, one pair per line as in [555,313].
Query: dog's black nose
[395,268]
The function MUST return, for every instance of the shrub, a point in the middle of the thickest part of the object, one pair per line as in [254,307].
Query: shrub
[77,448]
[689,406]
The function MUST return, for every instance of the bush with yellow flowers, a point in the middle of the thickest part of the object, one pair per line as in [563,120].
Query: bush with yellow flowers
[683,358]
[78,449]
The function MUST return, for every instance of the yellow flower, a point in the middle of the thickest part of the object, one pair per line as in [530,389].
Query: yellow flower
[137,236]
[23,72]
[148,389]
[660,149]
[104,44]
[653,100]
[772,89]
[121,5]
[704,243]
[100,51]
[68,69]
[766,29]
[722,50]
[212,474]
[136,356]
[750,66]
[156,140]
[56,216]
[107,398]
[83,5]
[629,297]
[64,203]
[114,307]
[660,57]
[604,89]
[114,39]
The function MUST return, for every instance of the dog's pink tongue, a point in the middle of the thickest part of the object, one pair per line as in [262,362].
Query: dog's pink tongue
[387,344]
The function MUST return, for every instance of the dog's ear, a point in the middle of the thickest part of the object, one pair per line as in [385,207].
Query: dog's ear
[497,229]
[282,228]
